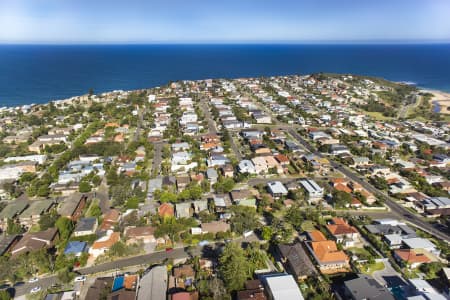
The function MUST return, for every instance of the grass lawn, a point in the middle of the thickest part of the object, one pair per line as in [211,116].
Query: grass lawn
[359,251]
[369,269]
[377,115]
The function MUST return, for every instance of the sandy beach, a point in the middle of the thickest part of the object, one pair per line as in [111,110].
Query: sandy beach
[442,99]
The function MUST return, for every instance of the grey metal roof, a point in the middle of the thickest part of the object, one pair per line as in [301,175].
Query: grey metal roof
[153,285]
[37,208]
[365,287]
[13,209]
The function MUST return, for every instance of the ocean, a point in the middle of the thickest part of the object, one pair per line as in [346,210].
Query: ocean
[40,73]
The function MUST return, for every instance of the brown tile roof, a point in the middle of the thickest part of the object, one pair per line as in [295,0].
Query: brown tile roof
[166,210]
[326,251]
[132,232]
[342,187]
[316,236]
[339,180]
[110,219]
[341,229]
[215,226]
[113,238]
[35,241]
[282,158]
[411,256]
[130,282]
[184,271]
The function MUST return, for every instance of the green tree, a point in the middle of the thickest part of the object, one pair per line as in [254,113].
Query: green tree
[431,269]
[243,218]
[132,203]
[167,196]
[65,227]
[224,185]
[234,267]
[294,216]
[43,190]
[94,210]
[66,275]
[266,233]
[84,186]
[341,199]
[48,220]
[4,295]
[119,249]
[13,227]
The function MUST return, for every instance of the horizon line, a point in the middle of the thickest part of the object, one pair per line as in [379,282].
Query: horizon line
[262,42]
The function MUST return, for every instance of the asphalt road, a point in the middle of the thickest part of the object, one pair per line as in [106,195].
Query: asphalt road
[157,158]
[211,124]
[395,208]
[145,260]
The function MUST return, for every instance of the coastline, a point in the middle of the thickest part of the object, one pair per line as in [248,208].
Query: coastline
[440,101]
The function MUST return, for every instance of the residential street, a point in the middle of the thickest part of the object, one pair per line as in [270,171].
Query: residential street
[145,260]
[395,208]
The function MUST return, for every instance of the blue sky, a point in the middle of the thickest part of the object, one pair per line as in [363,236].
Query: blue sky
[216,21]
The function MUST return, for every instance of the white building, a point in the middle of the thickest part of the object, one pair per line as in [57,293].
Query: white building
[40,159]
[283,287]
[314,191]
[277,189]
[246,166]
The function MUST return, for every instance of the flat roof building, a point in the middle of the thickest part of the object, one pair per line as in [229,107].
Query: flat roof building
[282,287]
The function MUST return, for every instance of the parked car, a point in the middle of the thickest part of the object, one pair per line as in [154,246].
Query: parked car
[33,280]
[169,249]
[80,278]
[35,290]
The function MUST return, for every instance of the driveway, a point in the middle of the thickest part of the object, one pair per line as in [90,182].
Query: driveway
[389,276]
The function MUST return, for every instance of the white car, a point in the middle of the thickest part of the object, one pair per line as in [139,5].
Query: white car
[33,280]
[80,278]
[35,290]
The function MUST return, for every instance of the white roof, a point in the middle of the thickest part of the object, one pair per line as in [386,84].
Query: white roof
[418,243]
[277,187]
[425,289]
[394,239]
[311,186]
[284,287]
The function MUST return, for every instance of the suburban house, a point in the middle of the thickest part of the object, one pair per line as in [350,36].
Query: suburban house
[75,248]
[146,234]
[32,214]
[35,241]
[254,290]
[166,210]
[110,219]
[188,209]
[215,227]
[11,211]
[72,206]
[413,258]
[281,286]
[102,245]
[85,226]
[343,233]
[325,252]
[296,261]
[7,242]
[276,189]
[313,190]
[365,287]
[243,197]
[153,284]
